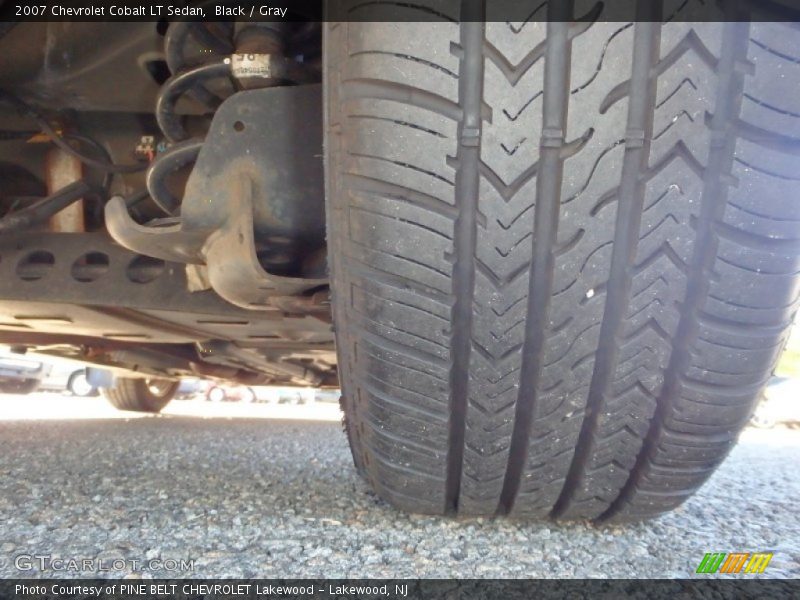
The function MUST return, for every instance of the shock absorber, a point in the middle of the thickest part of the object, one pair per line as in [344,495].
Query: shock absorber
[258,47]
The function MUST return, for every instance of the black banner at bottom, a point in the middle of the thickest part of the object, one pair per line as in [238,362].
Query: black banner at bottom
[436,589]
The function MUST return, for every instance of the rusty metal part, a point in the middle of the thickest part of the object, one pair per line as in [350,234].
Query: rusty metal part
[253,211]
[233,267]
[217,358]
[255,62]
[84,291]
[217,350]
[92,348]
[317,304]
[173,242]
[87,285]
[62,169]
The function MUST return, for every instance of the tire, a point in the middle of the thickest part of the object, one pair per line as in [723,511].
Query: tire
[216,394]
[20,386]
[78,386]
[564,257]
[141,395]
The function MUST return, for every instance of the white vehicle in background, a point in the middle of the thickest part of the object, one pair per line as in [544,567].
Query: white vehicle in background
[20,374]
[219,392]
[328,395]
[67,376]
[64,376]
[268,394]
[191,388]
[27,373]
[295,395]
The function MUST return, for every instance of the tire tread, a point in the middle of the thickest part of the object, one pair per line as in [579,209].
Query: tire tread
[559,284]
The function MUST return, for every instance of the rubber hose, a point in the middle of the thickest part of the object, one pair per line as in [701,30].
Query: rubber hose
[45,208]
[177,85]
[177,156]
[174,43]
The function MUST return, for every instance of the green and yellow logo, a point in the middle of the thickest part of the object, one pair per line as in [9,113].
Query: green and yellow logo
[734,562]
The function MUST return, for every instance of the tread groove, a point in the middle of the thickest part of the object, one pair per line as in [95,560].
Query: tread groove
[629,213]
[470,95]
[546,212]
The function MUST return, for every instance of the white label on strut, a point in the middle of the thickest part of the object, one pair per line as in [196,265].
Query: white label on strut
[251,65]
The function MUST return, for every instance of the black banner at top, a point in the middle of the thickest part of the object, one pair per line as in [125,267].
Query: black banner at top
[512,11]
[395,589]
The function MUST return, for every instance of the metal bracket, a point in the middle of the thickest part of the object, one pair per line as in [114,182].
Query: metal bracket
[172,243]
[233,267]
[256,188]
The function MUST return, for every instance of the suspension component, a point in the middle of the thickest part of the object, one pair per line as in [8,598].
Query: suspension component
[169,122]
[259,47]
[256,187]
[177,156]
[175,43]
[252,214]
[62,169]
[45,208]
[258,62]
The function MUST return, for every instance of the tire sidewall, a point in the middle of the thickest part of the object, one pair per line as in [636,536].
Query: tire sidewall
[151,401]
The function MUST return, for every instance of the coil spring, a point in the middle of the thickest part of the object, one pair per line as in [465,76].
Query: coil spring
[190,78]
